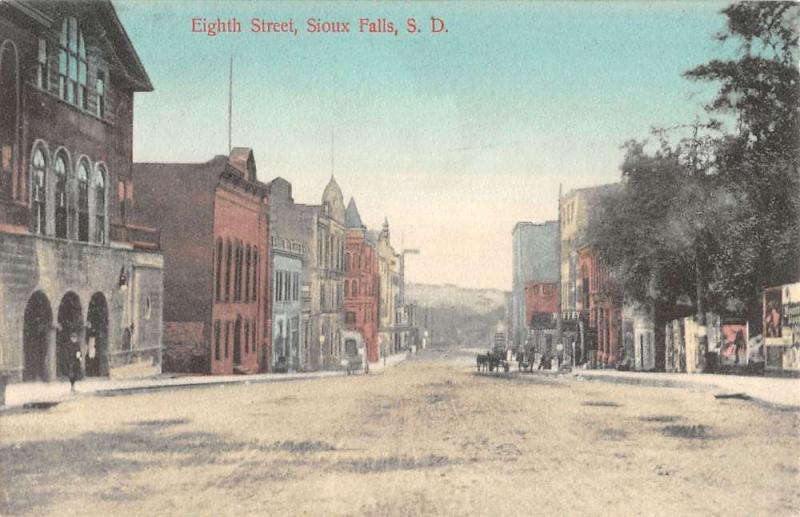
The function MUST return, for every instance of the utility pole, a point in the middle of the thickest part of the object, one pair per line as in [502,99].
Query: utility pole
[559,324]
[230,106]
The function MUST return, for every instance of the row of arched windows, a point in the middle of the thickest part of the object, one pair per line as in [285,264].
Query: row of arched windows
[351,288]
[68,202]
[236,333]
[236,271]
[330,251]
[357,262]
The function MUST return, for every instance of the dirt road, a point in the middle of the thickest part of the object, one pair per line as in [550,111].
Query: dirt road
[429,437]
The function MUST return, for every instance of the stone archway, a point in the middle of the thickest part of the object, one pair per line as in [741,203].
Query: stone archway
[38,322]
[97,336]
[70,321]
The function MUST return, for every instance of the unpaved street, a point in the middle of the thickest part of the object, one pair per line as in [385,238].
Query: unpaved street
[429,437]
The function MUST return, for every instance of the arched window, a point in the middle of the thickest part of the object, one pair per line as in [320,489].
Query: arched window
[83,201]
[72,66]
[38,192]
[347,286]
[247,282]
[237,277]
[218,271]
[100,206]
[354,291]
[228,258]
[60,173]
[255,277]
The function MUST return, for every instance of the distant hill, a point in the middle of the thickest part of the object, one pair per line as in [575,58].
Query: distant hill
[461,316]
[481,301]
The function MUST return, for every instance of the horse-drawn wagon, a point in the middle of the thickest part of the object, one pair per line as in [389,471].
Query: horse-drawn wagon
[492,361]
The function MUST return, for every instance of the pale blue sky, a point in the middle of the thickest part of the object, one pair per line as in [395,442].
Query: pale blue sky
[454,136]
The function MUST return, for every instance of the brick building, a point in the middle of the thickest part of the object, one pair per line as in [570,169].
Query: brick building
[215,239]
[361,281]
[577,208]
[540,298]
[70,261]
[600,303]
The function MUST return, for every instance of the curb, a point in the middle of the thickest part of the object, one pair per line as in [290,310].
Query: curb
[671,383]
[124,390]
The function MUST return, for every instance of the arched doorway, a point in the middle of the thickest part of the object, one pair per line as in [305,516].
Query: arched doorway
[38,321]
[97,336]
[70,321]
[237,341]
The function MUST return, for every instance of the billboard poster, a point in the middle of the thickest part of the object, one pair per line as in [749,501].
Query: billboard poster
[772,314]
[790,325]
[733,349]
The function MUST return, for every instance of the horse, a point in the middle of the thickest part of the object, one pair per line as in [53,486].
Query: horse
[483,362]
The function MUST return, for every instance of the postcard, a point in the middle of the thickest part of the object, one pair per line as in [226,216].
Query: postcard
[399,258]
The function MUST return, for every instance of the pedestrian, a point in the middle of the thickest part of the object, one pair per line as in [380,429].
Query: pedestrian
[74,360]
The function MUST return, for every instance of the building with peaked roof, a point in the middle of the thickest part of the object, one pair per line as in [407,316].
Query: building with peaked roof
[361,284]
[215,234]
[72,264]
[321,230]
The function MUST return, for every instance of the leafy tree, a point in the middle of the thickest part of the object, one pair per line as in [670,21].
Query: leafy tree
[715,218]
[760,162]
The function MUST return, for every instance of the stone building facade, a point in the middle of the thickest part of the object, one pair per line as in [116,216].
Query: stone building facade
[361,284]
[327,288]
[71,262]
[388,274]
[215,238]
[321,231]
[534,259]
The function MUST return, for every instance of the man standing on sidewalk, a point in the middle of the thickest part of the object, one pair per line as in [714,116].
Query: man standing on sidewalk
[74,360]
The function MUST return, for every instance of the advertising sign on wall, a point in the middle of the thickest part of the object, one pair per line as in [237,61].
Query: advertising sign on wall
[782,326]
[733,349]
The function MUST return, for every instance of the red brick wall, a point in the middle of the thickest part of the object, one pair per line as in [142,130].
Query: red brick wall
[241,220]
[540,297]
[361,271]
[604,305]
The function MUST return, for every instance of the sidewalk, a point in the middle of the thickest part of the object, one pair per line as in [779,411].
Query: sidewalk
[19,394]
[392,360]
[782,393]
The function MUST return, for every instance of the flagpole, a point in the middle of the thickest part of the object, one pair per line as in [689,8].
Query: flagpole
[230,105]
